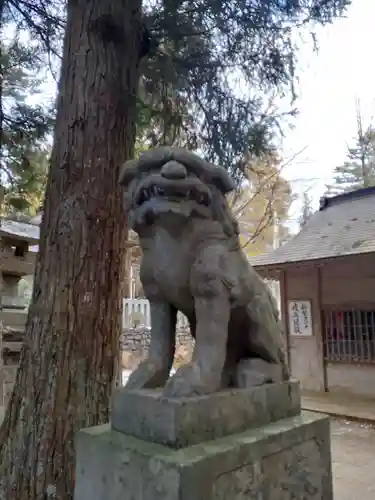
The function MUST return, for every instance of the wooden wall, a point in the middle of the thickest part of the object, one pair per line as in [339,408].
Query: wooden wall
[306,356]
[339,283]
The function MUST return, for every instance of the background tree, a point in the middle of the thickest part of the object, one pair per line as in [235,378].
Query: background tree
[358,171]
[216,69]
[219,64]
[262,204]
[68,362]
[24,126]
[307,209]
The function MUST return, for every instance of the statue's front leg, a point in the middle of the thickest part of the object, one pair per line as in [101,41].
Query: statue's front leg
[154,371]
[203,374]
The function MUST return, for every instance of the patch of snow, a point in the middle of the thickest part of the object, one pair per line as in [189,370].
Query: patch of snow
[126,375]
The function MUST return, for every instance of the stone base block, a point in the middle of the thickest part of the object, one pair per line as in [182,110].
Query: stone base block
[284,460]
[181,422]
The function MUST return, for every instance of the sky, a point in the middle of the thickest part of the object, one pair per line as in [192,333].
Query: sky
[330,81]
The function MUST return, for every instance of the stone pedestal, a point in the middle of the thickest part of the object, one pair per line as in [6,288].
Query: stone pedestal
[252,444]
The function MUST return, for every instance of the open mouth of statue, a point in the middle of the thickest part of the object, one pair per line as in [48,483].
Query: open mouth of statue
[172,194]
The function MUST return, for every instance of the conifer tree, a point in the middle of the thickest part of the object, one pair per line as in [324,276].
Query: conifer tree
[24,126]
[358,171]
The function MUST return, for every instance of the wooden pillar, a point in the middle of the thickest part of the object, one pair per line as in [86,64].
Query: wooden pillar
[320,335]
[284,311]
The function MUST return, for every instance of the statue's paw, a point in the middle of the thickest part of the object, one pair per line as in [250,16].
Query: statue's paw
[190,381]
[147,375]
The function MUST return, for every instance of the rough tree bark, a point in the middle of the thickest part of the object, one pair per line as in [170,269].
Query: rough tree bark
[68,363]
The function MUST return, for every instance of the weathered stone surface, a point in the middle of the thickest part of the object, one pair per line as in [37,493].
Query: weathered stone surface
[180,422]
[285,460]
[255,372]
[290,474]
[192,262]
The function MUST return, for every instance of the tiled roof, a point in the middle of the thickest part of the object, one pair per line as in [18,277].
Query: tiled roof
[344,225]
[19,230]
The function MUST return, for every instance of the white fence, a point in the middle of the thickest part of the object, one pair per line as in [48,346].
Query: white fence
[136,312]
[275,289]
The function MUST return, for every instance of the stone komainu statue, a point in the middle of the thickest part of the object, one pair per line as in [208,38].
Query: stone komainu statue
[192,262]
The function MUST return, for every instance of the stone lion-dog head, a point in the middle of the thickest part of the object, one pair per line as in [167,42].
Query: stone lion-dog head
[169,181]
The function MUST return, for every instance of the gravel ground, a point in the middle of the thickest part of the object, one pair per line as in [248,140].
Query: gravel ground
[353,460]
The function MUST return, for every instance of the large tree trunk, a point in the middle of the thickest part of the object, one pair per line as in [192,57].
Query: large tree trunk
[67,367]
